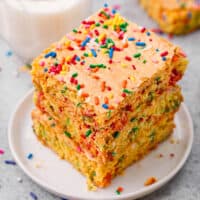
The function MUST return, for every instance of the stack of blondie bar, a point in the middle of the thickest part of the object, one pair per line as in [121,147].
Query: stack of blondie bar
[106,94]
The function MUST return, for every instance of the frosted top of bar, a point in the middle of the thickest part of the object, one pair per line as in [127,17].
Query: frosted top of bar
[105,59]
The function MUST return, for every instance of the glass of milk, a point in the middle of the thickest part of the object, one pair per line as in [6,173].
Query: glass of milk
[29,26]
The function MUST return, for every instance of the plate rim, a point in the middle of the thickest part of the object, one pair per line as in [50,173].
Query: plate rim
[139,193]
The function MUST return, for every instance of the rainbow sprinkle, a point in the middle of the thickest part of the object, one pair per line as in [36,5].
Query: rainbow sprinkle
[105,106]
[140,44]
[131,39]
[94,53]
[119,190]
[84,43]
[111,53]
[165,53]
[97,65]
[10,162]
[2,151]
[88,133]
[137,55]
[106,35]
[51,54]
[33,196]
[30,156]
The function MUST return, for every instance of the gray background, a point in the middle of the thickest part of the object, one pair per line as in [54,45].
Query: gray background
[14,84]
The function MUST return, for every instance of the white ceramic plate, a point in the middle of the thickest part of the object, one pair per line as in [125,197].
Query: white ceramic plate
[60,178]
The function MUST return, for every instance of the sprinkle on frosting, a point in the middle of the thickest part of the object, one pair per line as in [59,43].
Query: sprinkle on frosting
[74,75]
[96,100]
[128,58]
[141,44]
[131,39]
[51,54]
[84,43]
[127,91]
[105,106]
[97,65]
[111,53]
[165,53]
[124,83]
[94,53]
[137,55]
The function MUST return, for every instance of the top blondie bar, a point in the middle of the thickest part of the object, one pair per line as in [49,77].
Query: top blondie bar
[106,60]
